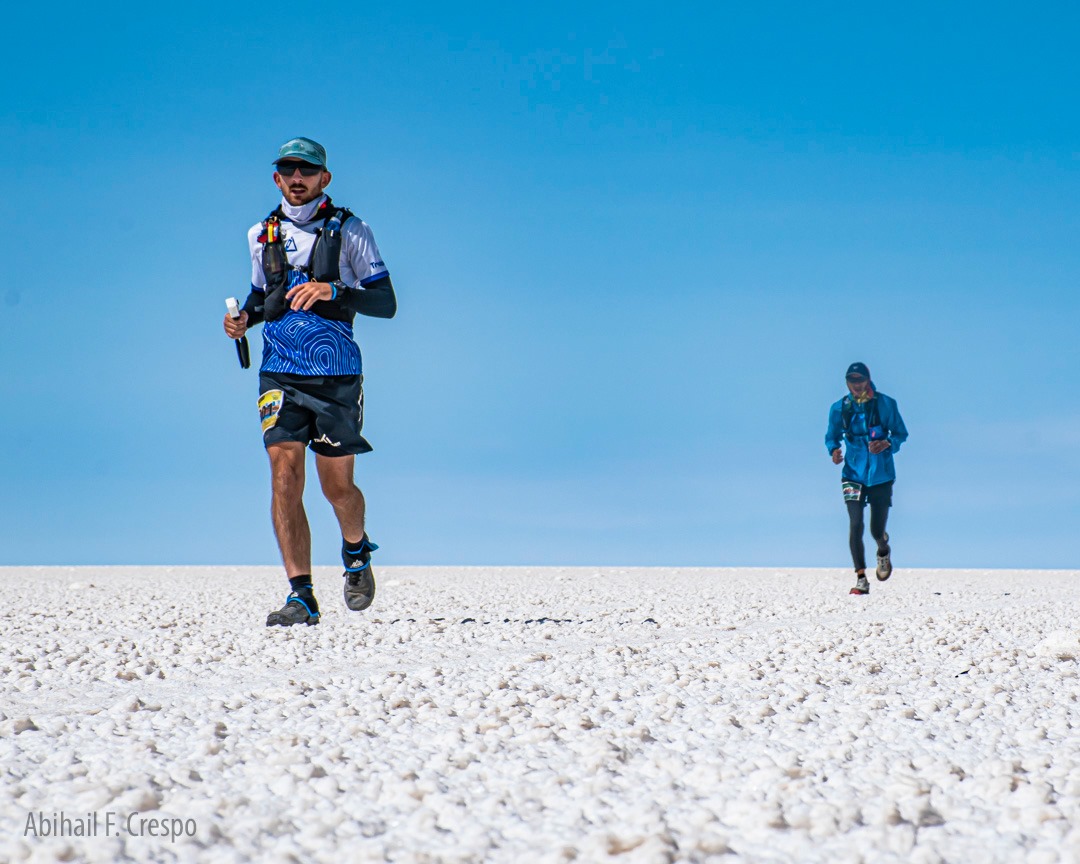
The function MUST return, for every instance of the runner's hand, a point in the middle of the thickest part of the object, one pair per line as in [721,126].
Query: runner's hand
[837,456]
[304,296]
[879,446]
[236,327]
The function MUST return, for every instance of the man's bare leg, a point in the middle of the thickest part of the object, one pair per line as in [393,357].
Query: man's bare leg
[287,506]
[336,478]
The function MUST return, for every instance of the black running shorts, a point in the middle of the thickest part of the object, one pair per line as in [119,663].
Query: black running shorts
[325,412]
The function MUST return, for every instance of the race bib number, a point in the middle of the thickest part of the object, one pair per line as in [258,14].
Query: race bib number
[852,491]
[270,407]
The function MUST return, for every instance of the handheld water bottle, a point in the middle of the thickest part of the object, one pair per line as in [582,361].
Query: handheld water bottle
[242,350]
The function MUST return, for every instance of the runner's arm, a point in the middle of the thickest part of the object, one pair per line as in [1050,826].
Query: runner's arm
[835,431]
[898,433]
[376,298]
[254,306]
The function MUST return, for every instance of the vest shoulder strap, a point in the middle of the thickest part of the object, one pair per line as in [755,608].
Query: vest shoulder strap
[873,415]
[341,215]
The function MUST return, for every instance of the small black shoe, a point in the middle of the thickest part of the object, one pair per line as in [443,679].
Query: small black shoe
[296,610]
[359,579]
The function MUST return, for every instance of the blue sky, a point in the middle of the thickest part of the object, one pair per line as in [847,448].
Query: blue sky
[635,250]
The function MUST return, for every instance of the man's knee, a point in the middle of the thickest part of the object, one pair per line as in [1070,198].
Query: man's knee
[336,479]
[286,464]
[339,491]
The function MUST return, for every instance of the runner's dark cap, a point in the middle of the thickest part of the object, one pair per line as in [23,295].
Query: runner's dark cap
[857,370]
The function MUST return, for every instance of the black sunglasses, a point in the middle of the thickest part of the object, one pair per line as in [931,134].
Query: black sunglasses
[287,169]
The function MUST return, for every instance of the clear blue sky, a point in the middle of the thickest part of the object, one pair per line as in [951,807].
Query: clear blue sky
[635,248]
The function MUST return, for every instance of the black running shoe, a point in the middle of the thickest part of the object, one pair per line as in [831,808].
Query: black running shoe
[861,585]
[359,579]
[296,610]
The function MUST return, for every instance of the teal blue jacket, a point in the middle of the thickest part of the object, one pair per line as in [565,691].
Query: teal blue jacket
[879,418]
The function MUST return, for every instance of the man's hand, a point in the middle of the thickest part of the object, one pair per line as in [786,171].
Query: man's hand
[879,446]
[305,296]
[837,456]
[236,327]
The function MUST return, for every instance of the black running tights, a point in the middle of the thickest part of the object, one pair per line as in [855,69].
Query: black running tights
[879,515]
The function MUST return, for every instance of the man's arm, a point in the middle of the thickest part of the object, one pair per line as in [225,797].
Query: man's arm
[835,432]
[898,433]
[251,313]
[376,298]
[253,305]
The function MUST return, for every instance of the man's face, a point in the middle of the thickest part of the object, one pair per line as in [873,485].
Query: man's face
[300,182]
[857,384]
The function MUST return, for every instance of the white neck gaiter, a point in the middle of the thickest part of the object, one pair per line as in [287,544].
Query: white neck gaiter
[304,212]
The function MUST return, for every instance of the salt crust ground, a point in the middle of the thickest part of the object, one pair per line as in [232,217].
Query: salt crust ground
[669,715]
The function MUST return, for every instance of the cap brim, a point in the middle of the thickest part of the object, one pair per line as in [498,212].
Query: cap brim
[281,159]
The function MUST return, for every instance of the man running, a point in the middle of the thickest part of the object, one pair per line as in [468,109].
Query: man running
[871,424]
[314,265]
